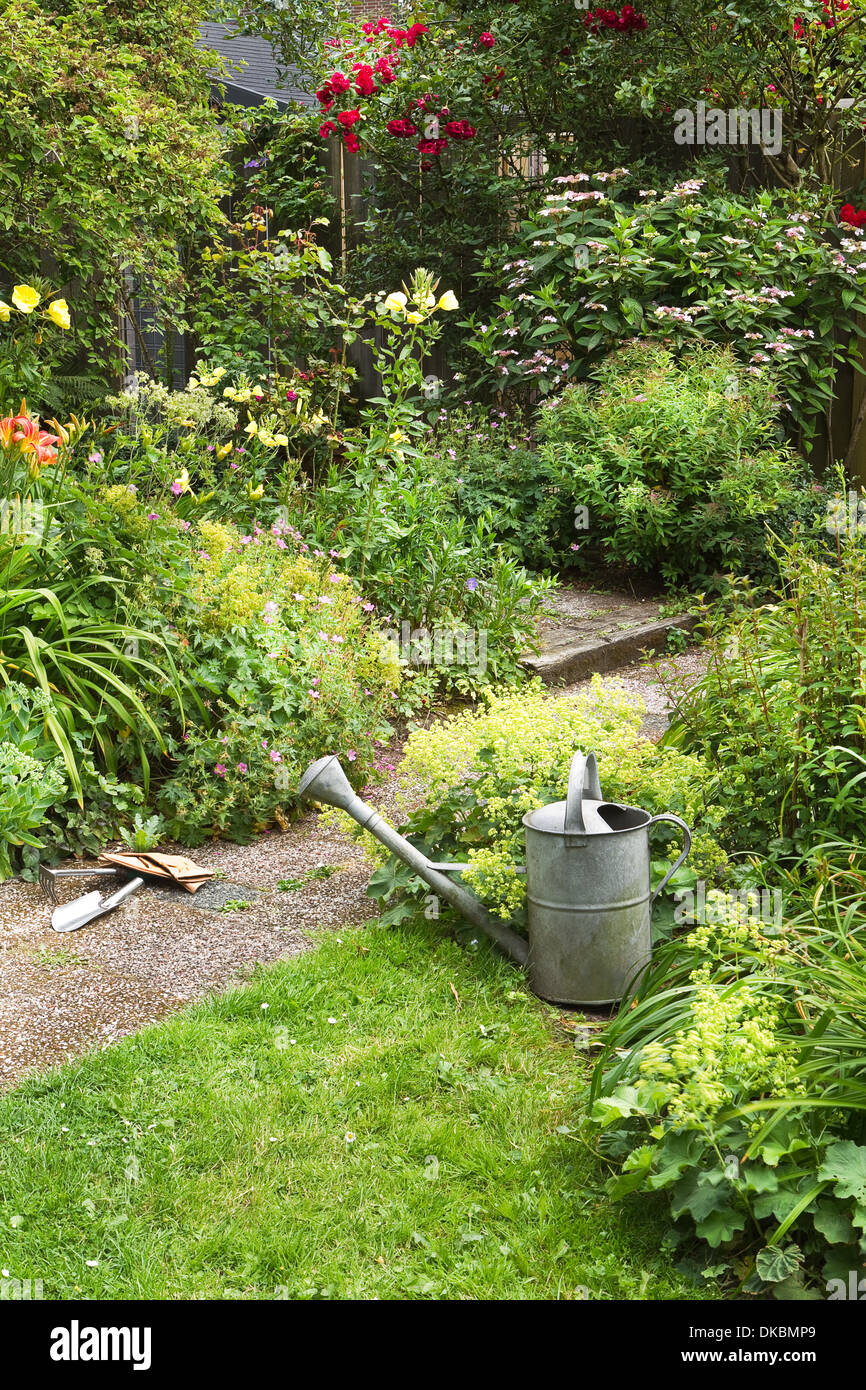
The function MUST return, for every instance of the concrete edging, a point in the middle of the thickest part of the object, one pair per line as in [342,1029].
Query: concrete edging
[580,660]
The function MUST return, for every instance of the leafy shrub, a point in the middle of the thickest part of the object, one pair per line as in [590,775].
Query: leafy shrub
[735,1085]
[676,466]
[766,276]
[31,775]
[481,771]
[283,645]
[486,464]
[779,714]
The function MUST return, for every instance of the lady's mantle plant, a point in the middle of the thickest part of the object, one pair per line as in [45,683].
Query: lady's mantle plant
[481,771]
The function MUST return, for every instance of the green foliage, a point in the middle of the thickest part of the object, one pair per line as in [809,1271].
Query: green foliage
[767,276]
[280,640]
[32,315]
[109,159]
[146,832]
[674,468]
[735,1084]
[485,463]
[31,776]
[266,298]
[779,713]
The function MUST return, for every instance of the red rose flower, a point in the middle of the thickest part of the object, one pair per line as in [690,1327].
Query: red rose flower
[460,130]
[401,128]
[351,141]
[348,118]
[851,217]
[326,129]
[486,39]
[364,80]
[339,82]
[414,32]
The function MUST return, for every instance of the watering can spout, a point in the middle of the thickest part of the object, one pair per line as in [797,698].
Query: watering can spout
[325,780]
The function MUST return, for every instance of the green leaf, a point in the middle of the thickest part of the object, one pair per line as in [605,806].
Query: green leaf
[774,1265]
[832,1222]
[721,1226]
[845,1166]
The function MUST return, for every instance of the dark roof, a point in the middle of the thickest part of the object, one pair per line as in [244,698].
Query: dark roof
[260,78]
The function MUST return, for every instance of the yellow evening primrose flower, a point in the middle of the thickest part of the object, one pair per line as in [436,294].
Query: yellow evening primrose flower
[396,302]
[256,492]
[181,482]
[251,428]
[4,312]
[282,440]
[25,298]
[448,301]
[415,318]
[223,451]
[58,312]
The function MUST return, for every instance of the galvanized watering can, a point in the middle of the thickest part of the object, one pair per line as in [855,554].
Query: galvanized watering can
[587,882]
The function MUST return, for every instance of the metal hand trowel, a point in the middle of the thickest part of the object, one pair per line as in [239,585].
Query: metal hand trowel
[71,916]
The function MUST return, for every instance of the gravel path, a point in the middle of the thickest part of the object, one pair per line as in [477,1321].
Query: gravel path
[62,995]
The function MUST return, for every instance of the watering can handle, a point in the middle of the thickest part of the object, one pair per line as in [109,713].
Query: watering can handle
[582,764]
[687,844]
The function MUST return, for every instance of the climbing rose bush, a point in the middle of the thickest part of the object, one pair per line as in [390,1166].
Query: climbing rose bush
[379,91]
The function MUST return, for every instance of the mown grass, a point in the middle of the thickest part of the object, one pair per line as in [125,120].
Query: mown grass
[212,1156]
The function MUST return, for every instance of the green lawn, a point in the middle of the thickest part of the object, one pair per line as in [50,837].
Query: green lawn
[212,1156]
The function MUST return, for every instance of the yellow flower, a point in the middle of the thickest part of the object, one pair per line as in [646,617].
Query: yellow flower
[448,301]
[396,302]
[256,492]
[415,318]
[4,312]
[25,298]
[282,440]
[252,427]
[223,451]
[397,437]
[58,312]
[181,483]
